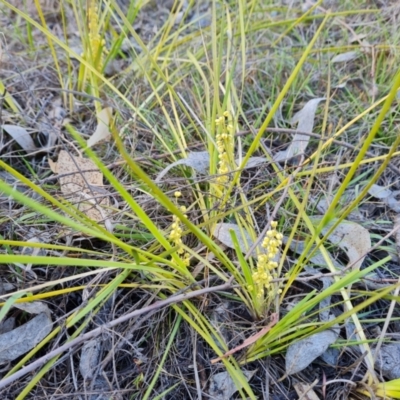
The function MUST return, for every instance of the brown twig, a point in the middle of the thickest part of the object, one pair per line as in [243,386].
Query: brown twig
[249,341]
[98,331]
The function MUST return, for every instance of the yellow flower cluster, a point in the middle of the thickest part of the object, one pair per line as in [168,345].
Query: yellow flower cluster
[224,146]
[266,265]
[175,236]
[96,43]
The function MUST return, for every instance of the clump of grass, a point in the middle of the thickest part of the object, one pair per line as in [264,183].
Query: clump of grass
[185,86]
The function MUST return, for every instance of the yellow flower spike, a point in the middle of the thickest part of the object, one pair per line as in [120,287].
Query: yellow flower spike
[186,259]
[224,141]
[266,266]
[219,121]
[178,194]
[96,42]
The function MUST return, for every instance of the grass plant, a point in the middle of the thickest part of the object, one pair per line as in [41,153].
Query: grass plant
[224,79]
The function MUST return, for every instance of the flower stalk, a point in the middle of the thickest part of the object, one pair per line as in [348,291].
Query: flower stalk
[266,270]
